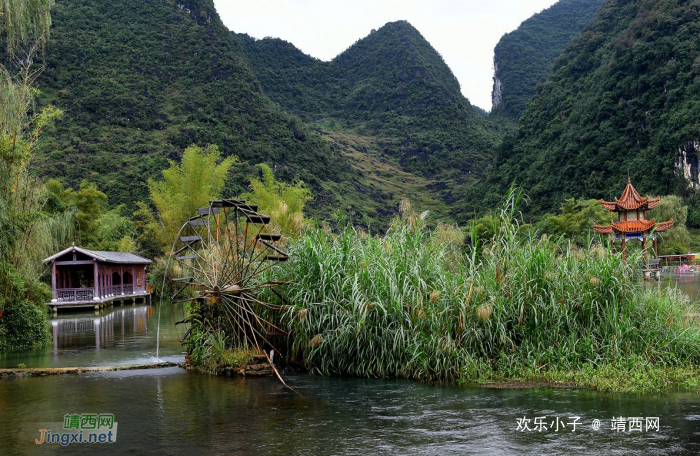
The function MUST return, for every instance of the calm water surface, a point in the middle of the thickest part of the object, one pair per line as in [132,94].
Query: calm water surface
[172,411]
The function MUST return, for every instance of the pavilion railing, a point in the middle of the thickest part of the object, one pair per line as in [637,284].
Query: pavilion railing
[127,289]
[87,294]
[74,294]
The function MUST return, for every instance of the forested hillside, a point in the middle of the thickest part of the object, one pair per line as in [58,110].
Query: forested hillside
[624,99]
[393,87]
[139,81]
[524,57]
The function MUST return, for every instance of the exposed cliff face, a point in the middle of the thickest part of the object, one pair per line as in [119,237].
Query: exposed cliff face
[688,163]
[497,94]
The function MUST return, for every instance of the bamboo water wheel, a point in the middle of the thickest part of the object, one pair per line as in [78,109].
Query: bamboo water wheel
[223,253]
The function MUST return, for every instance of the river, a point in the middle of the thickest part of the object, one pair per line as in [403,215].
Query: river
[173,411]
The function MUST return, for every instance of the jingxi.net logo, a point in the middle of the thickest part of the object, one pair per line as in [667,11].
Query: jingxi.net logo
[80,428]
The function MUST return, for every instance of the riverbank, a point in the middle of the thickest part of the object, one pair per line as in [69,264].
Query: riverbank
[44,372]
[636,378]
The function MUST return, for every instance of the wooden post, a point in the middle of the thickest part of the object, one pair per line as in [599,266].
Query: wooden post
[96,282]
[656,249]
[644,246]
[53,280]
[121,279]
[624,250]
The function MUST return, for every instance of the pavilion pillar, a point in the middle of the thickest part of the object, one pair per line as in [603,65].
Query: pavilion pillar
[96,281]
[656,248]
[624,250]
[121,279]
[133,279]
[644,246]
[53,280]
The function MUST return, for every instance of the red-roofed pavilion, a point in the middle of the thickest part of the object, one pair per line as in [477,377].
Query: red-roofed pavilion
[632,220]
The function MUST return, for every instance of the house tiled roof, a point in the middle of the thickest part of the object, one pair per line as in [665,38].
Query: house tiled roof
[109,257]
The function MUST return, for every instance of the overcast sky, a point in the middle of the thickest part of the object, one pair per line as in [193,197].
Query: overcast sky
[463,31]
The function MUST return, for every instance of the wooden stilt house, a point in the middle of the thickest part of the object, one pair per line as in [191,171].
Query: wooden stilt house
[87,278]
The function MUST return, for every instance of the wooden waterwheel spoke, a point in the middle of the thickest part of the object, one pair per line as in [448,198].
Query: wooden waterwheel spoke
[237,321]
[240,305]
[227,255]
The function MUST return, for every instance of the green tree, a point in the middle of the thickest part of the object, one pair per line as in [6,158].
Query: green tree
[147,229]
[22,21]
[116,231]
[283,202]
[676,239]
[26,232]
[575,219]
[187,186]
[97,227]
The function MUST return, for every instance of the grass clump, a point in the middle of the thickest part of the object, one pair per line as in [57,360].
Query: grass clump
[407,305]
[212,353]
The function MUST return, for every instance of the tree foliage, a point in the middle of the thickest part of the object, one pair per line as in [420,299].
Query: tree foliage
[283,202]
[26,232]
[621,100]
[143,80]
[96,226]
[525,57]
[187,186]
[23,21]
[677,238]
[575,219]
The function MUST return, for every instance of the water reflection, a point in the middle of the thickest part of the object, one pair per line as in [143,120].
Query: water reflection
[99,332]
[118,335]
[179,412]
[688,285]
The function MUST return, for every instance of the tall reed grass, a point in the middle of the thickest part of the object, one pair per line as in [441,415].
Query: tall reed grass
[406,304]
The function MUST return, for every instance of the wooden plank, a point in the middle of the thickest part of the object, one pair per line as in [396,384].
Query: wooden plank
[208,210]
[183,279]
[270,237]
[254,217]
[249,207]
[277,258]
[226,203]
[199,222]
[72,263]
[190,239]
[186,257]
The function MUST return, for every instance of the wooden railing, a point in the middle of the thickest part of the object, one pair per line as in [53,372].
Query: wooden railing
[87,294]
[117,290]
[74,294]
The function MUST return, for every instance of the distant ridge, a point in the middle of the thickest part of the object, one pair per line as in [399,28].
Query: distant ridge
[623,100]
[524,57]
[139,81]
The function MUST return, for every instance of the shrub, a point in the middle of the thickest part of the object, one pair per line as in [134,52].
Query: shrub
[23,327]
